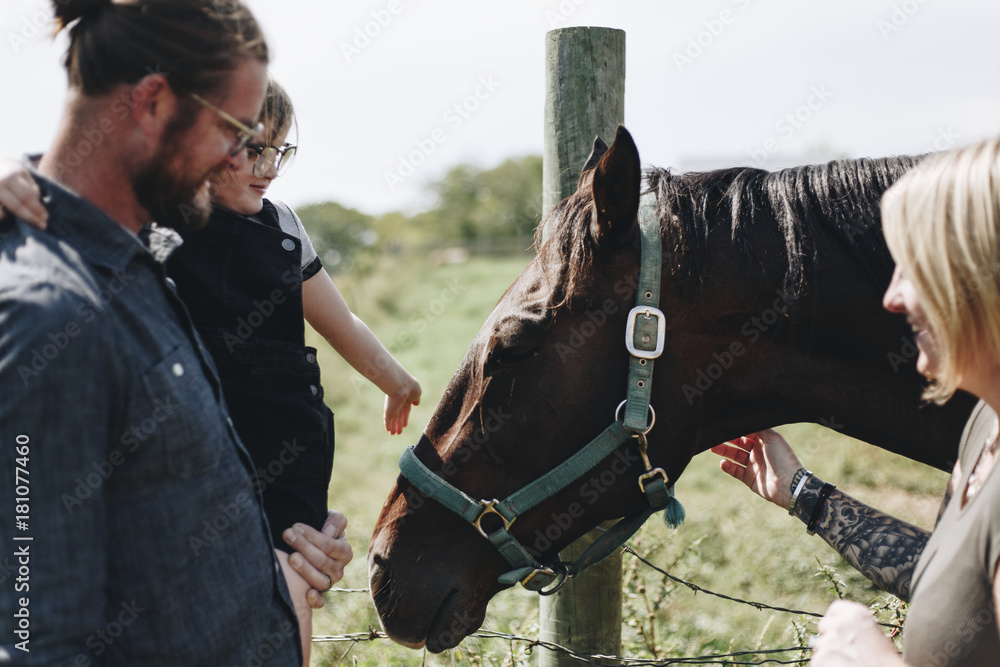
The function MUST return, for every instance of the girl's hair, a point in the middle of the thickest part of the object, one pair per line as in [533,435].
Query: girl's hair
[195,44]
[279,114]
[942,225]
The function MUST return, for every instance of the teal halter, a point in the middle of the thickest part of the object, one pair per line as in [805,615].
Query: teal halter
[644,338]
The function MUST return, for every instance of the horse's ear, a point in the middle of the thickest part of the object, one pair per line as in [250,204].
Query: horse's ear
[596,153]
[617,179]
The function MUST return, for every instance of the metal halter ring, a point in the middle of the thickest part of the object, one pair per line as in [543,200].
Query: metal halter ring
[562,574]
[652,412]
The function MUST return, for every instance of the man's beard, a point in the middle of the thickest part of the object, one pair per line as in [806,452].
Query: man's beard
[174,197]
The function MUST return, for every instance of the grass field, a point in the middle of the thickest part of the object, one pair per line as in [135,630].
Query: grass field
[732,542]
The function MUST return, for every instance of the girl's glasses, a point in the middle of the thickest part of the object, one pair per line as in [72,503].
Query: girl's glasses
[271,156]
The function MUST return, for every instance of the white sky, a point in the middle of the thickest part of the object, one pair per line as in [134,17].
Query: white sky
[930,83]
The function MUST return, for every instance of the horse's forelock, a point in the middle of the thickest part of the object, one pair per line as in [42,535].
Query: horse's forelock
[567,252]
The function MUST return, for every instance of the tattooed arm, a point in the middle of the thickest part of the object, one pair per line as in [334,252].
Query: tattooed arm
[881,547]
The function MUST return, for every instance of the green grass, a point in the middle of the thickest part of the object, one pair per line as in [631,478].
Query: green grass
[732,542]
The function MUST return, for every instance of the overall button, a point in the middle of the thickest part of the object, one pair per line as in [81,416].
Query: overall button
[288,244]
[311,358]
[314,389]
[178,369]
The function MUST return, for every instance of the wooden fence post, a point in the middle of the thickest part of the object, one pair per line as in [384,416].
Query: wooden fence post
[584,97]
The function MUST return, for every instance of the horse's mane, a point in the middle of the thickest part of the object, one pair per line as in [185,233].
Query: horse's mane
[840,198]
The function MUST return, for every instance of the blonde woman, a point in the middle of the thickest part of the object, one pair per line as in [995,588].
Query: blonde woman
[942,225]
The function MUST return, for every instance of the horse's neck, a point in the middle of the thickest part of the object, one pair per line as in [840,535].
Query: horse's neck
[838,359]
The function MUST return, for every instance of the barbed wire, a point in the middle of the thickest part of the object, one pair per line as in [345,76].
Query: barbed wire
[757,605]
[712,659]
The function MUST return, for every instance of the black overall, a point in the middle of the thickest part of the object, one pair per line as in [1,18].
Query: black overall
[242,282]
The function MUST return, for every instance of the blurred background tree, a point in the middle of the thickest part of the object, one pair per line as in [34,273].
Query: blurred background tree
[480,211]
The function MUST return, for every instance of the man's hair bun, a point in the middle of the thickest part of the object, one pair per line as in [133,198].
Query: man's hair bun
[68,11]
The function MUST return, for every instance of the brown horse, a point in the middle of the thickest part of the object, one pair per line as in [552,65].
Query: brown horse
[771,288]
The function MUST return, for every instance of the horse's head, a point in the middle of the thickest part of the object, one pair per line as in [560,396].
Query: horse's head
[542,378]
[746,347]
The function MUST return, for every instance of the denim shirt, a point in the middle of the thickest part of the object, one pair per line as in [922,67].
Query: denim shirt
[130,530]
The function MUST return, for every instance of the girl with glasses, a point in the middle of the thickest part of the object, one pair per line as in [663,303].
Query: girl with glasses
[250,279]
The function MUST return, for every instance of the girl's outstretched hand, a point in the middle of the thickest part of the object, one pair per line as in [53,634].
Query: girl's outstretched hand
[764,462]
[20,196]
[397,407]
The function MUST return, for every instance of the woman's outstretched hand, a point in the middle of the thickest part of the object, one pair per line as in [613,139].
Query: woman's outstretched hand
[764,462]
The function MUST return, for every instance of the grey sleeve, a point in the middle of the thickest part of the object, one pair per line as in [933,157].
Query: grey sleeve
[291,224]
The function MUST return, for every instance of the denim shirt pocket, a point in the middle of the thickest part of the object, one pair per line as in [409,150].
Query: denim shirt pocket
[181,412]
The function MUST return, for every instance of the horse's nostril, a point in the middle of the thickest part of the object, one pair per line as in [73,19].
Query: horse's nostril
[378,573]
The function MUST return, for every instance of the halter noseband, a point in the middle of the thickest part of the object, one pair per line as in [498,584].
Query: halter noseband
[644,338]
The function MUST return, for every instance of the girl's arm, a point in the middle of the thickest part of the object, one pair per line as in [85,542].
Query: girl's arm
[328,313]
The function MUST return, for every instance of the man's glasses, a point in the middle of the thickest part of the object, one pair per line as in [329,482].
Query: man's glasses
[271,156]
[243,133]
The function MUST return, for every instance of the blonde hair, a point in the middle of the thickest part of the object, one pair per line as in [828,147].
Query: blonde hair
[942,226]
[278,114]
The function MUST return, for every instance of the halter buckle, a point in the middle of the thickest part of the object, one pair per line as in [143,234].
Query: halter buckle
[490,507]
[646,477]
[648,312]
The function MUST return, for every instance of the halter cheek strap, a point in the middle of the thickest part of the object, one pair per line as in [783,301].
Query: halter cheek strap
[644,338]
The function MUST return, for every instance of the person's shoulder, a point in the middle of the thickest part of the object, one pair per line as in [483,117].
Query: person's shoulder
[41,273]
[285,211]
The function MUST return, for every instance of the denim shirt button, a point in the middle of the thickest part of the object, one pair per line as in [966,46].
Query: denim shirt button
[311,358]
[178,369]
[288,244]
[314,389]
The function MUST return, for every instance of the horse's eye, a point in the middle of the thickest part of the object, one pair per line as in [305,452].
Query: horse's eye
[502,358]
